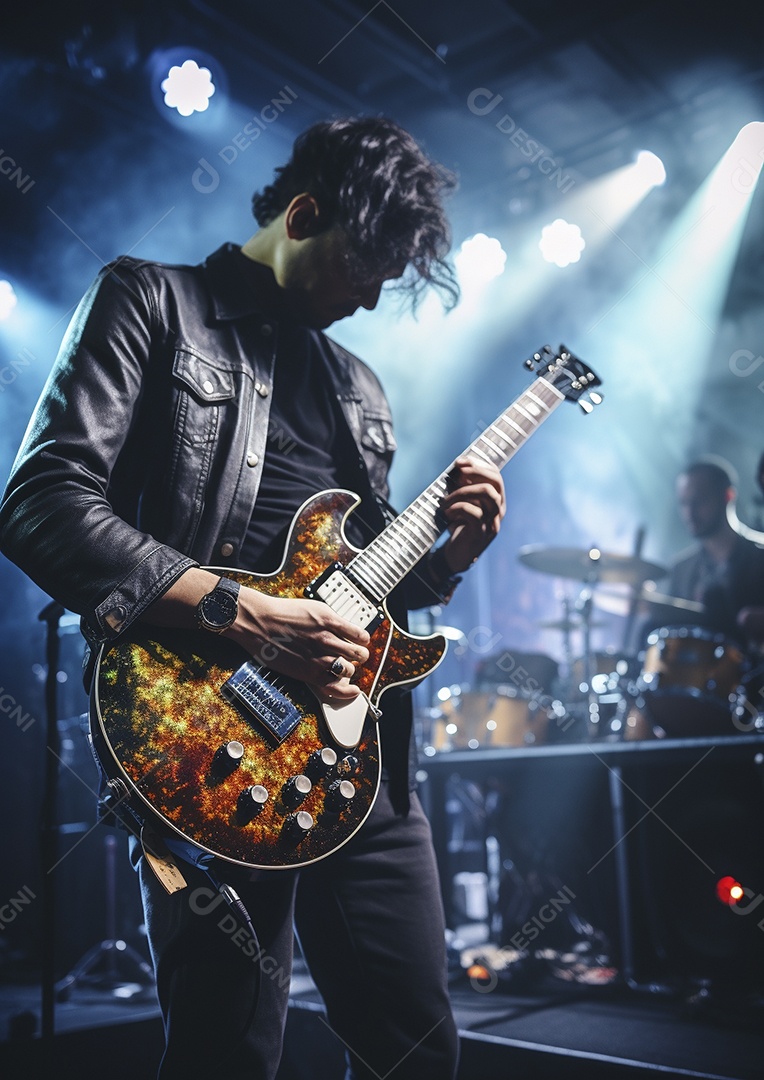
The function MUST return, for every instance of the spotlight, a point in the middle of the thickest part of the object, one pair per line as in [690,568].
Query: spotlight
[184,80]
[188,88]
[561,243]
[480,259]
[650,168]
[8,300]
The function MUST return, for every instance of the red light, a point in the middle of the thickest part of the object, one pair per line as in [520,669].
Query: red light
[479,973]
[729,891]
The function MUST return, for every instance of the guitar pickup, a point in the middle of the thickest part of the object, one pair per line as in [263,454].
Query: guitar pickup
[273,709]
[336,589]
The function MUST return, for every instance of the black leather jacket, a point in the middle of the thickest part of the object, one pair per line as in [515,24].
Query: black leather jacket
[144,454]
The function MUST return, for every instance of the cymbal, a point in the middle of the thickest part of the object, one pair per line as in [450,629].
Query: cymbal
[590,565]
[619,603]
[568,624]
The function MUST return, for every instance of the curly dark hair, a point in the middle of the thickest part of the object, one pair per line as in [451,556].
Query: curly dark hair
[370,177]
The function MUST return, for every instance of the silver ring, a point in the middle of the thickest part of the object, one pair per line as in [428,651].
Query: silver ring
[338,667]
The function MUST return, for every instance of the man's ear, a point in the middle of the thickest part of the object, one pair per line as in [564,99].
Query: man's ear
[302,217]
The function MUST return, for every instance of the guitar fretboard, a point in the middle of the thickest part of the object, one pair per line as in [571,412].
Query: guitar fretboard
[391,555]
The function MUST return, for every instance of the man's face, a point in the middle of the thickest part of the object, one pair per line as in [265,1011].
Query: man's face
[702,504]
[321,281]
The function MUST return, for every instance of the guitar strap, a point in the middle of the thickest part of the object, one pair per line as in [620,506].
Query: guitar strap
[162,862]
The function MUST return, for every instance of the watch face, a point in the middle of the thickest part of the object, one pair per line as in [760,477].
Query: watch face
[218,609]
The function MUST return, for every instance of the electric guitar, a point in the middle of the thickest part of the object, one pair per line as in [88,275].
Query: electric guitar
[209,747]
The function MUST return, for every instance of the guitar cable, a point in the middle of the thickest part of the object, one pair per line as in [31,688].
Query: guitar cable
[239,908]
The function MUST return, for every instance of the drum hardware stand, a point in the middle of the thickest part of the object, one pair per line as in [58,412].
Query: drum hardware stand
[567,646]
[584,606]
[636,590]
[111,952]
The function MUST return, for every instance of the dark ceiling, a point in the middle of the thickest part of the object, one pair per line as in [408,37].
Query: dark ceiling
[591,82]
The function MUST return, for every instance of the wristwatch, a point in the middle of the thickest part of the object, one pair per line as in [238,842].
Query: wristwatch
[218,609]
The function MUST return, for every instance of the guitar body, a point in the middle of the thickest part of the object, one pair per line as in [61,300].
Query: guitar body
[160,717]
[216,750]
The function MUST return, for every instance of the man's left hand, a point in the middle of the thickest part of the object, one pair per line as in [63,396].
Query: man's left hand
[473,509]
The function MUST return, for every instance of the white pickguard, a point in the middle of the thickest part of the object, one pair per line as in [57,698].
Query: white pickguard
[345,721]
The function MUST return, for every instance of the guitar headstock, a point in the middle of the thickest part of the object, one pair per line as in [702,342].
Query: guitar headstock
[568,374]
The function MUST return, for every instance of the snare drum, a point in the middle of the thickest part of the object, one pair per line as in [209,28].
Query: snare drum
[690,683]
[472,721]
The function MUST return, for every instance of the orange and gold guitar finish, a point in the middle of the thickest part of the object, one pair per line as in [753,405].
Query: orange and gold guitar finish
[212,748]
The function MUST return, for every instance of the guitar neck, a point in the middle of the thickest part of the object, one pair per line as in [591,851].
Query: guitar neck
[392,554]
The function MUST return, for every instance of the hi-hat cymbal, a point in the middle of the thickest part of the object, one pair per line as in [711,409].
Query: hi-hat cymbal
[619,603]
[590,565]
[569,624]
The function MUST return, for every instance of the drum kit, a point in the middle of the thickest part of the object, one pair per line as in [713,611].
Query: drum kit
[681,680]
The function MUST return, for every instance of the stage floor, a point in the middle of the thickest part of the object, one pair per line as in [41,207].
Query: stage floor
[604,1032]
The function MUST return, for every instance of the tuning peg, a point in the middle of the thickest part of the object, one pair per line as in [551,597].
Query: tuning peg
[541,357]
[593,398]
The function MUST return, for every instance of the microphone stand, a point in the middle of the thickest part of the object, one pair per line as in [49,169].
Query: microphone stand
[50,615]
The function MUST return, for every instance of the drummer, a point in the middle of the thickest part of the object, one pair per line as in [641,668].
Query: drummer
[724,571]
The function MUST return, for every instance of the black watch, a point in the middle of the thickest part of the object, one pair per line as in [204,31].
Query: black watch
[218,609]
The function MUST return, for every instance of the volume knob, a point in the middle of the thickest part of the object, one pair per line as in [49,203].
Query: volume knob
[339,795]
[251,801]
[295,789]
[227,758]
[320,762]
[296,827]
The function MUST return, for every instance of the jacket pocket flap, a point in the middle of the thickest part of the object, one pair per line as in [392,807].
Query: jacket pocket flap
[207,380]
[377,432]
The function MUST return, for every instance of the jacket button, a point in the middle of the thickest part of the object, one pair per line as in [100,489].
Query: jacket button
[226,550]
[252,460]
[266,329]
[262,390]
[207,386]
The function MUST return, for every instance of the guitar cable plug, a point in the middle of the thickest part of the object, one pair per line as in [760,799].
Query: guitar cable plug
[239,908]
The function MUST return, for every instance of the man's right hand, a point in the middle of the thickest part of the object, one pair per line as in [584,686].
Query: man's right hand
[300,638]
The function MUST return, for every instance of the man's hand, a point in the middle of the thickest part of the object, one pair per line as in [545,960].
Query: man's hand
[301,638]
[473,509]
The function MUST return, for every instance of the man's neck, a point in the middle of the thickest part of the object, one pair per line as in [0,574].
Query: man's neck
[271,297]
[260,247]
[719,546]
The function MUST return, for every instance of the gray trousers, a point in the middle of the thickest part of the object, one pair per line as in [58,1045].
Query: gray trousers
[370,923]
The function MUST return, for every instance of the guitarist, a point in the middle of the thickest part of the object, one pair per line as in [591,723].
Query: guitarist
[191,411]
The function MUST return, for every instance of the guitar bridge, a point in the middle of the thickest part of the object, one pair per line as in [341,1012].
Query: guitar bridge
[339,591]
[261,699]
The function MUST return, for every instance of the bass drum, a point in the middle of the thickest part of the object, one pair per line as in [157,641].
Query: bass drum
[478,721]
[690,685]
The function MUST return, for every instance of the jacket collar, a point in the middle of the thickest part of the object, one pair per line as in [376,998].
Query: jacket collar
[232,282]
[232,279]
